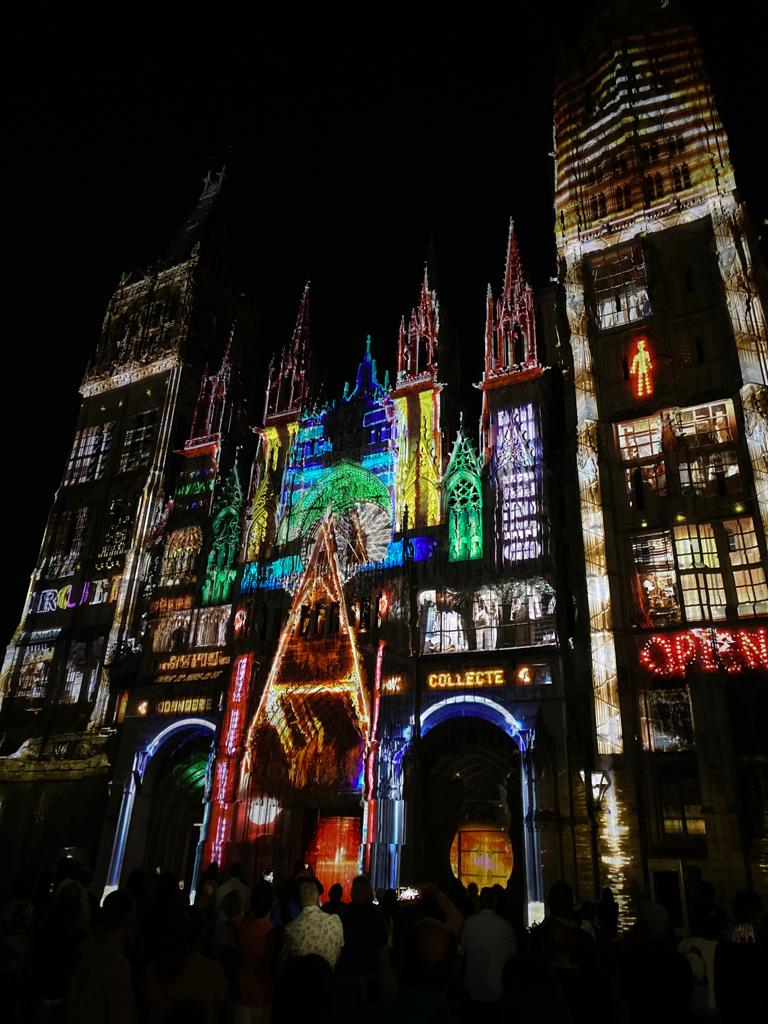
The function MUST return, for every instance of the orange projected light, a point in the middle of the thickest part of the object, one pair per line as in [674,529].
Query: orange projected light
[641,370]
[481,855]
[334,852]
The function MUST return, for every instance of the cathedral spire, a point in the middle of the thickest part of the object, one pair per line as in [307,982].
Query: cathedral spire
[510,328]
[417,345]
[288,380]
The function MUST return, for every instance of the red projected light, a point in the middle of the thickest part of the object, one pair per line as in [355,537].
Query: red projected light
[334,851]
[705,650]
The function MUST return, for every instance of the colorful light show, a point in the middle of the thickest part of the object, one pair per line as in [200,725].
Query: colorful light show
[349,629]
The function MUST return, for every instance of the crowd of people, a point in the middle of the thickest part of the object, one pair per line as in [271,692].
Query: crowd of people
[286,951]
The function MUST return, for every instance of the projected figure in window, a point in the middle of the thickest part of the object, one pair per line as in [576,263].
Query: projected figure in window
[640,369]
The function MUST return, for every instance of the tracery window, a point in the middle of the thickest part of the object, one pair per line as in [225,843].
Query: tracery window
[517,472]
[640,447]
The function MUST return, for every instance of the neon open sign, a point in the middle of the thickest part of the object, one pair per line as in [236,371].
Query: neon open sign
[706,650]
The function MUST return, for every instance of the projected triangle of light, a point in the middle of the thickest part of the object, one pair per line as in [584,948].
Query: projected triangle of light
[316,672]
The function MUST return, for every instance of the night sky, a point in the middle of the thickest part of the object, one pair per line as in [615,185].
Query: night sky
[356,146]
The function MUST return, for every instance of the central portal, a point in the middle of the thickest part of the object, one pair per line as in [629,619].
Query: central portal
[473,815]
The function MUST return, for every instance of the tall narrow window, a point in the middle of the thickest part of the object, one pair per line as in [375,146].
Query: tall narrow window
[700,577]
[65,543]
[464,502]
[137,443]
[746,565]
[656,594]
[88,457]
[517,471]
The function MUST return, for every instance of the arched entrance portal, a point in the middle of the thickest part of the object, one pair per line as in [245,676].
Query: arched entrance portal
[161,813]
[473,826]
[174,783]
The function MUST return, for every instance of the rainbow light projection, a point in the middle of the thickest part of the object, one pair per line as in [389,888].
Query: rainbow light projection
[312,725]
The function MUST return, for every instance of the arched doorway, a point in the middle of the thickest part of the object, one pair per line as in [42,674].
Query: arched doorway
[473,824]
[174,783]
[161,812]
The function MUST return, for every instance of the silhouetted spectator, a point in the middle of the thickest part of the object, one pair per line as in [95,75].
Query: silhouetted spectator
[648,952]
[180,974]
[256,941]
[488,941]
[334,904]
[101,991]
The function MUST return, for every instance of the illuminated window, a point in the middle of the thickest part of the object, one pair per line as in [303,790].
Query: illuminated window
[65,545]
[82,672]
[746,564]
[706,466]
[705,424]
[33,675]
[517,472]
[623,197]
[597,206]
[666,721]
[88,457]
[656,593]
[464,502]
[680,800]
[180,558]
[703,590]
[515,614]
[137,444]
[639,443]
[620,288]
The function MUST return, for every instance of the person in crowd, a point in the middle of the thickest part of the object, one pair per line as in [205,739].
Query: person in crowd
[256,943]
[235,883]
[305,990]
[648,952]
[607,916]
[364,935]
[312,931]
[473,899]
[181,975]
[488,942]
[741,964]
[334,904]
[101,990]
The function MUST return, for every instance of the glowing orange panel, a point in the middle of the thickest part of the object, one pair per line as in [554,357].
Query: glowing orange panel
[334,851]
[482,855]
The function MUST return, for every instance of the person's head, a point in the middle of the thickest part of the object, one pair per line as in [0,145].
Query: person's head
[652,920]
[429,954]
[361,890]
[335,893]
[487,898]
[560,900]
[236,870]
[472,890]
[307,893]
[117,912]
[262,896]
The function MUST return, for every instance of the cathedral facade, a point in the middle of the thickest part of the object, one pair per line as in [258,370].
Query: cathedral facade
[354,632]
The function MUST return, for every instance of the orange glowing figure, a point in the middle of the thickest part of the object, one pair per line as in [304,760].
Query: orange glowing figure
[641,369]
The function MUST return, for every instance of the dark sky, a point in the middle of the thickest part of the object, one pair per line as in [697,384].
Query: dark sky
[355,144]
